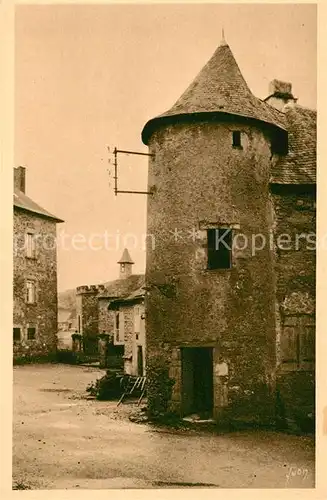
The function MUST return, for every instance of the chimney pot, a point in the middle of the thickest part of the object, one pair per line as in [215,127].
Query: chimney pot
[279,87]
[19,178]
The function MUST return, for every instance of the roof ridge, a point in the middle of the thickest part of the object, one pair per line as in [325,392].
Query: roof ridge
[297,105]
[24,202]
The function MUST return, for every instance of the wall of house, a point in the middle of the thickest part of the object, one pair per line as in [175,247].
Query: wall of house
[87,310]
[133,333]
[106,318]
[43,270]
[295,215]
[134,337]
[201,181]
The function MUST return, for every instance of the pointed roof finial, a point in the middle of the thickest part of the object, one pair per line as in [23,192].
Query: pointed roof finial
[223,41]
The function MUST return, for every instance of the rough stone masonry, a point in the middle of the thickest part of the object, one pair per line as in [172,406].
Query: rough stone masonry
[217,342]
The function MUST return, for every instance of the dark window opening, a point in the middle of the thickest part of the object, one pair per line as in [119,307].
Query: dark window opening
[219,248]
[279,143]
[140,367]
[31,333]
[237,139]
[17,336]
[79,324]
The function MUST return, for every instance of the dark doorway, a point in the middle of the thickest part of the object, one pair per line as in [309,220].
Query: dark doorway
[139,361]
[197,381]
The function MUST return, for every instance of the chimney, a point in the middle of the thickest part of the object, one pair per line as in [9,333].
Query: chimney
[19,178]
[280,94]
[125,264]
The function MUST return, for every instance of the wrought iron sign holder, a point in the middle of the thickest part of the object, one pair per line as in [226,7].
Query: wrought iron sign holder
[116,152]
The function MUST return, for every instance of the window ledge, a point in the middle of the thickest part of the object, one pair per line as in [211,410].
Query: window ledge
[219,270]
[237,147]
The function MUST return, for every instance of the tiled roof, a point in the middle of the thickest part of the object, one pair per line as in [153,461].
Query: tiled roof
[136,294]
[299,165]
[124,288]
[218,88]
[25,203]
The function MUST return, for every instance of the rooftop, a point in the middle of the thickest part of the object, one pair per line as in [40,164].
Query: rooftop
[299,165]
[218,88]
[127,288]
[23,202]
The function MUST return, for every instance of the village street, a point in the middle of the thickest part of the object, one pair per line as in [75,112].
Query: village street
[61,440]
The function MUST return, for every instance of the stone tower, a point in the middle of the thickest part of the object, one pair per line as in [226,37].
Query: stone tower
[125,265]
[210,318]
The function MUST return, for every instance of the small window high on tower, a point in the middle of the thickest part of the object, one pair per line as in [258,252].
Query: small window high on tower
[237,139]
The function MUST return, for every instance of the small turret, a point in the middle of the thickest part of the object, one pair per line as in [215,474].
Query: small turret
[125,264]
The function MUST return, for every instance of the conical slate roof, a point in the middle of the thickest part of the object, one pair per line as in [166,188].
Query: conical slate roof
[218,88]
[125,258]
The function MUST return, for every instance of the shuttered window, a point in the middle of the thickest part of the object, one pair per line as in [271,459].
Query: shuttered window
[30,245]
[298,343]
[30,292]
[307,344]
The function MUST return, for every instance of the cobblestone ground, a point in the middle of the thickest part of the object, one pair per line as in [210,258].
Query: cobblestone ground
[63,441]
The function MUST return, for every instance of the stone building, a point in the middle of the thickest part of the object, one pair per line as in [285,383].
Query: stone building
[121,314]
[35,275]
[87,315]
[67,325]
[115,313]
[229,302]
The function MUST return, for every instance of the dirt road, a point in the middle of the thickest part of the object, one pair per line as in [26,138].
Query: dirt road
[62,441]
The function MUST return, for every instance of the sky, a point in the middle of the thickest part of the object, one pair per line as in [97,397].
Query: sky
[88,77]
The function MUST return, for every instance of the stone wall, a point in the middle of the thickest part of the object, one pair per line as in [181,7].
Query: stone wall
[87,308]
[200,181]
[295,215]
[106,318]
[132,339]
[43,271]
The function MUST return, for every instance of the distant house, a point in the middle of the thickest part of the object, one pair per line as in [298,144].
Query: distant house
[64,322]
[35,275]
[66,326]
[121,313]
[117,310]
